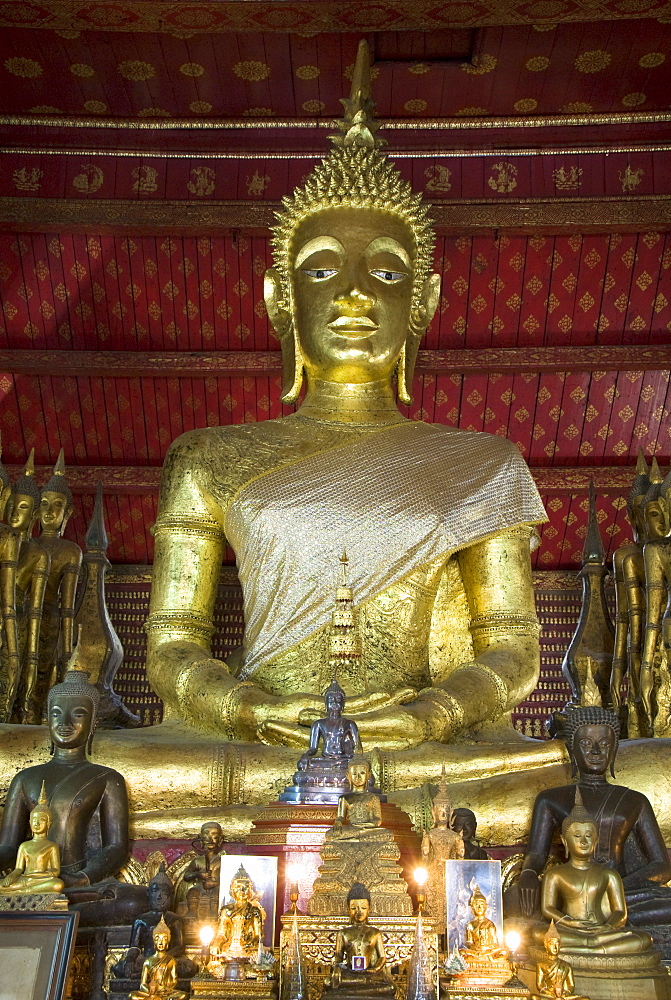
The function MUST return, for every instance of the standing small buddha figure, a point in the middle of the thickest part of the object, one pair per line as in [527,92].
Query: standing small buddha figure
[31,579]
[440,844]
[159,971]
[56,632]
[37,860]
[554,977]
[657,562]
[10,547]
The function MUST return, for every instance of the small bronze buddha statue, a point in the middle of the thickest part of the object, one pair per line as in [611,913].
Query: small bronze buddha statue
[591,735]
[203,872]
[322,777]
[56,631]
[240,926]
[159,970]
[34,563]
[38,860]
[586,899]
[464,822]
[554,977]
[141,945]
[439,844]
[360,966]
[78,792]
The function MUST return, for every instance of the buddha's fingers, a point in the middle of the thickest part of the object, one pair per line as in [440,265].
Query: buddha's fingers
[360,704]
[275,733]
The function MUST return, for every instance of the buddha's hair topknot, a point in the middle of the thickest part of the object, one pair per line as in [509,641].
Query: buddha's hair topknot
[58,483]
[76,685]
[589,715]
[358,891]
[356,174]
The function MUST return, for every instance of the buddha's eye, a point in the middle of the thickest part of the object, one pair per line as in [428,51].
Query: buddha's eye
[320,273]
[389,277]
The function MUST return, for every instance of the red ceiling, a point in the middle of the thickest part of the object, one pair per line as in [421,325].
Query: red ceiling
[615,66]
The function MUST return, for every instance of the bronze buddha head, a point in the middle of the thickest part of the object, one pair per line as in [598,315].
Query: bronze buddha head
[72,707]
[24,500]
[56,502]
[160,891]
[358,903]
[592,737]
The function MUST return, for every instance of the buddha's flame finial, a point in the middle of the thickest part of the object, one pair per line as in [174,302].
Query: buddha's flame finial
[345,561]
[641,464]
[29,468]
[655,472]
[43,801]
[593,548]
[358,126]
[552,932]
[59,467]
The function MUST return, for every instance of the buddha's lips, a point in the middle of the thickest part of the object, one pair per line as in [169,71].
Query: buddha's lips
[360,326]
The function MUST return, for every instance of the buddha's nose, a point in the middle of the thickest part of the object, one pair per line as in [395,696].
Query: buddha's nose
[354,303]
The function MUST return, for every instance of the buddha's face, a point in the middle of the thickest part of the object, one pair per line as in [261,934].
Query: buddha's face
[464,823]
[70,719]
[20,511]
[593,748]
[334,704]
[53,511]
[579,840]
[40,822]
[656,519]
[160,897]
[352,282]
[552,946]
[441,813]
[358,910]
[241,891]
[479,906]
[161,940]
[358,775]
[211,836]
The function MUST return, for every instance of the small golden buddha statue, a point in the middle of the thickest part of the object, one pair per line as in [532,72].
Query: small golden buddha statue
[585,899]
[440,844]
[360,965]
[159,971]
[486,961]
[32,572]
[657,562]
[56,630]
[554,978]
[629,574]
[37,860]
[240,925]
[359,811]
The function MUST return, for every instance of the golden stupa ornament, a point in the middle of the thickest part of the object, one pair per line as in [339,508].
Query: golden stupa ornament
[344,639]
[355,174]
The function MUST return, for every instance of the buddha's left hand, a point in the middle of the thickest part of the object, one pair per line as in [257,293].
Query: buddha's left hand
[395,727]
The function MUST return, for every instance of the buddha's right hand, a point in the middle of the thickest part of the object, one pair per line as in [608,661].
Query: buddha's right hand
[528,888]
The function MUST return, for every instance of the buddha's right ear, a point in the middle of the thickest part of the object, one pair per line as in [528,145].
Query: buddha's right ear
[279,312]
[4,500]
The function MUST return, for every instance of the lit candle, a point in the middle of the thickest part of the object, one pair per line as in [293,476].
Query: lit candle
[206,934]
[421,877]
[293,874]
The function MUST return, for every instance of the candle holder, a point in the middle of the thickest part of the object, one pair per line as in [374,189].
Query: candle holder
[206,935]
[513,941]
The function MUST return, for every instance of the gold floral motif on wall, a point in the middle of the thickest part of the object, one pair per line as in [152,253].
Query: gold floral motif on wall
[252,70]
[480,65]
[593,61]
[136,69]
[22,66]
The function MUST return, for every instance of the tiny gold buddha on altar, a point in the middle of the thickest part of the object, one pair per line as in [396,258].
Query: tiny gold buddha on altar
[554,976]
[38,860]
[440,844]
[360,966]
[486,961]
[239,933]
[159,971]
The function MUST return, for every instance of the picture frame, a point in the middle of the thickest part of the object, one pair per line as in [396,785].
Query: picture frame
[36,948]
[461,877]
[262,870]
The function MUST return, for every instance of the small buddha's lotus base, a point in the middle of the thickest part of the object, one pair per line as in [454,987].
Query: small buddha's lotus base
[608,966]
[25,902]
[220,989]
[485,973]
[450,990]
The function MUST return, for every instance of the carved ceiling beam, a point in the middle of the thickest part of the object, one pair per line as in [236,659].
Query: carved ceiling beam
[310,16]
[142,480]
[191,218]
[186,364]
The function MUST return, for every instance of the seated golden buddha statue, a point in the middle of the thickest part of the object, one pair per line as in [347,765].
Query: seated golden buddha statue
[486,961]
[359,812]
[159,971]
[38,860]
[554,977]
[240,925]
[586,899]
[360,966]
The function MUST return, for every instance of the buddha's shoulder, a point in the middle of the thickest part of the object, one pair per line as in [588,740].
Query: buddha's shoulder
[234,440]
[477,441]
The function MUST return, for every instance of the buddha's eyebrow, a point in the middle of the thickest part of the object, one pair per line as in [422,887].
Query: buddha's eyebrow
[318,243]
[387,244]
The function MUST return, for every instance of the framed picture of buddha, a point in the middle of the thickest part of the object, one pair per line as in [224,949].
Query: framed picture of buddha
[247,893]
[473,897]
[35,951]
